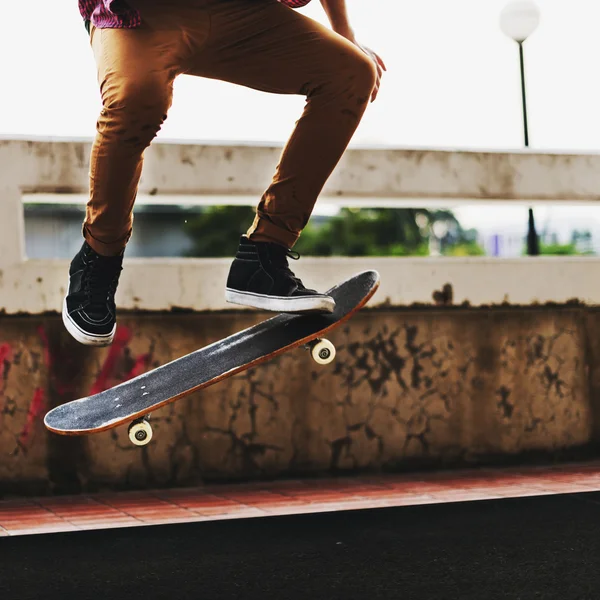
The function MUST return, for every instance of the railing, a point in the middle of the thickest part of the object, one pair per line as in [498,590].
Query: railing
[225,174]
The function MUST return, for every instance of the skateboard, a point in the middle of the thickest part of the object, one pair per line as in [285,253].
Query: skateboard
[134,400]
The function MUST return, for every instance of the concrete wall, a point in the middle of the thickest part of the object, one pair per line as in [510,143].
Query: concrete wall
[418,386]
[409,388]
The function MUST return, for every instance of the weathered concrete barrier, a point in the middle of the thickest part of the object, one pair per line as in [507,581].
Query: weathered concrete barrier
[409,388]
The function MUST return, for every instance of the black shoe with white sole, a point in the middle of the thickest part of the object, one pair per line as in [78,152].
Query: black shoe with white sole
[260,277]
[89,311]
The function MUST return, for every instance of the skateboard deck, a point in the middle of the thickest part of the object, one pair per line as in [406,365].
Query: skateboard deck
[133,400]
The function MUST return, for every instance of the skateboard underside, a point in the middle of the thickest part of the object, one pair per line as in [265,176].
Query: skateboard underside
[139,396]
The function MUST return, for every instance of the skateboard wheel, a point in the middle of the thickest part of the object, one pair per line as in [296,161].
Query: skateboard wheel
[140,432]
[323,352]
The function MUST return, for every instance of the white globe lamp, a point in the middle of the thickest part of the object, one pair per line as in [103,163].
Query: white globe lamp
[519,19]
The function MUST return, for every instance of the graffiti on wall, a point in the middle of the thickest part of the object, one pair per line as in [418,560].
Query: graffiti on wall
[32,372]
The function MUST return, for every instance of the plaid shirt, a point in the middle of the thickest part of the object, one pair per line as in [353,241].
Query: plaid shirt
[111,14]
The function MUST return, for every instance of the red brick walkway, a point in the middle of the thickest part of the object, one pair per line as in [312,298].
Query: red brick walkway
[233,501]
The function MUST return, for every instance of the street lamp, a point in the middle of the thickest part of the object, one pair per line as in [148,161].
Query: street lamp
[518,20]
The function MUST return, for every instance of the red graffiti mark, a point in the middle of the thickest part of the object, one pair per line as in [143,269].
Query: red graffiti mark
[106,378]
[142,362]
[37,408]
[102,382]
[5,352]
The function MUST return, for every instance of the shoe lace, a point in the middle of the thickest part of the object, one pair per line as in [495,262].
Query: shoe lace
[101,278]
[279,261]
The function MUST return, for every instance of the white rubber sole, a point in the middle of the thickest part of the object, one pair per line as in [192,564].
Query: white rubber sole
[81,336]
[281,304]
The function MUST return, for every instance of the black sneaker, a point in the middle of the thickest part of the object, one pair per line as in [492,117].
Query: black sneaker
[260,277]
[89,311]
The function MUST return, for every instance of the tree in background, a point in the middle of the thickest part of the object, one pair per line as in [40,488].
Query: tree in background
[580,245]
[216,231]
[352,232]
[365,232]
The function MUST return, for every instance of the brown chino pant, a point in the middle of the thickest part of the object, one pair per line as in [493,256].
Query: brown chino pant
[259,44]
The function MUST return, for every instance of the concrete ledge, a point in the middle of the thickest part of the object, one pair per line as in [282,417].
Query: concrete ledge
[61,166]
[38,286]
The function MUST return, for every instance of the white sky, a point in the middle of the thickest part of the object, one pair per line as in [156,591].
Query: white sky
[452,81]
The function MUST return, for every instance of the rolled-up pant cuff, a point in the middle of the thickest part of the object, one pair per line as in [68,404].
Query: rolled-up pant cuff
[263,230]
[113,248]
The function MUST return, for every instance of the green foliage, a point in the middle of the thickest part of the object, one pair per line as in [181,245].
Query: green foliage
[367,232]
[400,250]
[216,230]
[559,249]
[470,248]
[352,232]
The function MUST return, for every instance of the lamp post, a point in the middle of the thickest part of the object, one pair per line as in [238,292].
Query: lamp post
[518,20]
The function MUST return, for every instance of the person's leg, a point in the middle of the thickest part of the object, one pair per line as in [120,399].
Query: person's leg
[136,69]
[267,46]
